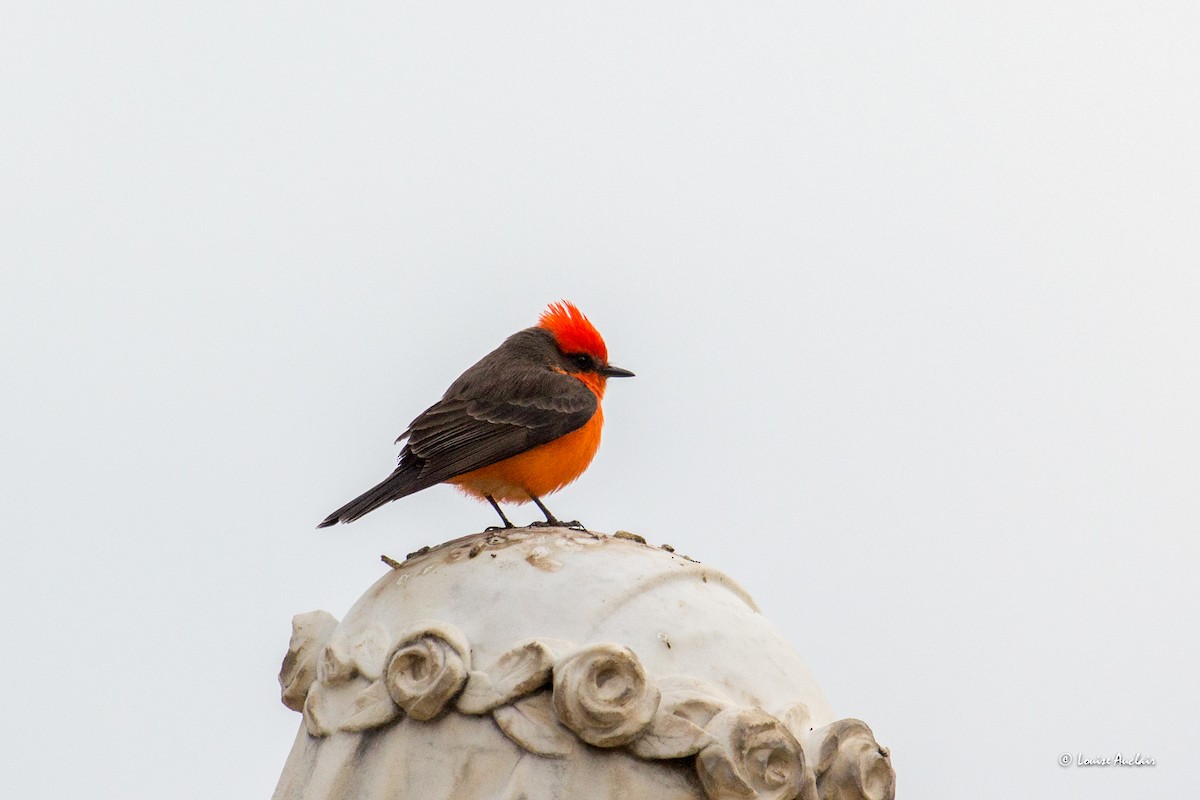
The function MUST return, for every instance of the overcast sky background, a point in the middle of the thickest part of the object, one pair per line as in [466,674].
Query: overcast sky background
[910,289]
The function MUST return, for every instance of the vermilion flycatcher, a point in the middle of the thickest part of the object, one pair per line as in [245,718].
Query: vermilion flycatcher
[523,422]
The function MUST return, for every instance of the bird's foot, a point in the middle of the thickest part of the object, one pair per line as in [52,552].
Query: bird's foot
[494,528]
[557,523]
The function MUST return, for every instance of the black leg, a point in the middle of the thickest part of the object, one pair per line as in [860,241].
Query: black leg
[550,518]
[496,506]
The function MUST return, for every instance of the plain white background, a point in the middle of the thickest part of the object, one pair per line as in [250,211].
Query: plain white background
[910,290]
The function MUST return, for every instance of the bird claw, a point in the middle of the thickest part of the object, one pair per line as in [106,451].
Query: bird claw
[574,524]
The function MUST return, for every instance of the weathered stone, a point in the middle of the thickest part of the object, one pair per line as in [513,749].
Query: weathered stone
[553,662]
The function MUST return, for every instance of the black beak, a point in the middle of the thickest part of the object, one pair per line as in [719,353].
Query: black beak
[615,372]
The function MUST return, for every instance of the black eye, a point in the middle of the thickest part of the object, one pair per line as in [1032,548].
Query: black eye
[582,360]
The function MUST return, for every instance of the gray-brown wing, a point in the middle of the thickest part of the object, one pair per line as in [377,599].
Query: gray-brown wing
[461,434]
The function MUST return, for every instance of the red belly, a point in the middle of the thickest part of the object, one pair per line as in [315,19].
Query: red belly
[540,471]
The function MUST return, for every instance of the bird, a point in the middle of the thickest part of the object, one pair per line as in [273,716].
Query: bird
[523,422]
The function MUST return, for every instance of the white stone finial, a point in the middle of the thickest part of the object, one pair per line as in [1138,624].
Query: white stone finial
[560,663]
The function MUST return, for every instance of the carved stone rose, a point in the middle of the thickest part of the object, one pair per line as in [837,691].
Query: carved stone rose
[753,755]
[851,764]
[427,668]
[602,693]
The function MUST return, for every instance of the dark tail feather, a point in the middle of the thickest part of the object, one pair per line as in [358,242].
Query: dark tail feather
[400,483]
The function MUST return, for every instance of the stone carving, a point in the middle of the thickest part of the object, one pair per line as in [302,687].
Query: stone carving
[850,763]
[602,693]
[598,694]
[530,722]
[560,702]
[677,729]
[427,668]
[752,755]
[520,671]
[309,634]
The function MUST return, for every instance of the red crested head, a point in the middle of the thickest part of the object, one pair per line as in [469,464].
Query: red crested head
[573,332]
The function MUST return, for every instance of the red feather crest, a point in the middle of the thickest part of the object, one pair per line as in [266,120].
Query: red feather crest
[572,330]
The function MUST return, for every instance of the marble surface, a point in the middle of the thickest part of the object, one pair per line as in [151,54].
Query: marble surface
[553,662]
